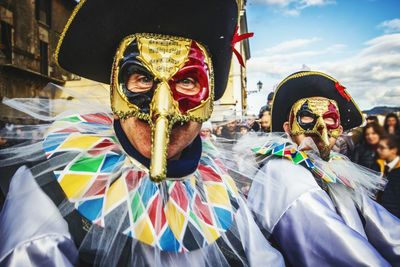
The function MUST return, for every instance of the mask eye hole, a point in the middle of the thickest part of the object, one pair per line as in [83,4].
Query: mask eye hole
[306,119]
[139,82]
[330,121]
[136,78]
[188,86]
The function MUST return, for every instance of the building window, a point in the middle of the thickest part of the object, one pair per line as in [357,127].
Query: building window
[43,11]
[6,40]
[44,58]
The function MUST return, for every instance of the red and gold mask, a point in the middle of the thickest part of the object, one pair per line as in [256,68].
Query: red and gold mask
[163,80]
[316,116]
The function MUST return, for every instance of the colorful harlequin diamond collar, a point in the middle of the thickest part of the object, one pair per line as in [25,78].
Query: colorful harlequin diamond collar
[289,151]
[113,190]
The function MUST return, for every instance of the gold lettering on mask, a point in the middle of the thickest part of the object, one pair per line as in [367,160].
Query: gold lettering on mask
[164,57]
[318,106]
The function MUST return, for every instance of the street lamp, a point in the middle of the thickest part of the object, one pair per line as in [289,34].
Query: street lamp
[259,85]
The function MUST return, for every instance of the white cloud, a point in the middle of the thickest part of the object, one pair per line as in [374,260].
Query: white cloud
[288,56]
[316,2]
[390,26]
[291,12]
[291,45]
[377,63]
[371,75]
[293,7]
[384,44]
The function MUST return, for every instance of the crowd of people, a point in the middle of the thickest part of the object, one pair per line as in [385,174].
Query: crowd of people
[232,128]
[378,148]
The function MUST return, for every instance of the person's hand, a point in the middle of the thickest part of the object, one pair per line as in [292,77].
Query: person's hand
[245,190]
[3,141]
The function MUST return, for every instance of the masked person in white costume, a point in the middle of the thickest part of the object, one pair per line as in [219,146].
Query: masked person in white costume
[314,205]
[138,186]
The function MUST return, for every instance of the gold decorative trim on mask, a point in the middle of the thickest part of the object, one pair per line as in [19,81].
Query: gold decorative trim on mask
[163,56]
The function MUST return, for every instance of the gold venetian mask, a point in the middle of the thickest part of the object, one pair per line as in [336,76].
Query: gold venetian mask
[316,116]
[163,80]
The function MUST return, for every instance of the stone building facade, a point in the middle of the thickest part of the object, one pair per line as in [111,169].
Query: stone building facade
[29,32]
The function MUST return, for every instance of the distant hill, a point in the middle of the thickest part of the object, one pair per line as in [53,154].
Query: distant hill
[382,110]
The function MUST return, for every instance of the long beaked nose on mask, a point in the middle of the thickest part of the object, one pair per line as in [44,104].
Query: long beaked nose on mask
[163,113]
[323,131]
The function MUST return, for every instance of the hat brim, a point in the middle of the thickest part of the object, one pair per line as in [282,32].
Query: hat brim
[96,27]
[312,84]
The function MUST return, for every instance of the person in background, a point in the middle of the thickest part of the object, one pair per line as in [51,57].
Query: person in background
[263,109]
[268,106]
[388,165]
[218,131]
[243,128]
[372,119]
[391,124]
[206,130]
[270,98]
[365,151]
[253,124]
[265,122]
[357,133]
[230,131]
[265,118]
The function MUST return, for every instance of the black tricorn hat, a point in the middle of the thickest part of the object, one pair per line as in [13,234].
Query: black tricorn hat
[306,84]
[96,27]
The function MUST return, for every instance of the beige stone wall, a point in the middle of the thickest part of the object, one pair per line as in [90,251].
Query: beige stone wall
[20,76]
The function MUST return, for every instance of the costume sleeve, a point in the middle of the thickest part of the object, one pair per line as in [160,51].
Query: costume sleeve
[301,218]
[32,231]
[382,229]
[258,251]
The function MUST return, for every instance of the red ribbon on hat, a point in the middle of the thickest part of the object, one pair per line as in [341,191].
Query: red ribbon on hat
[238,38]
[342,91]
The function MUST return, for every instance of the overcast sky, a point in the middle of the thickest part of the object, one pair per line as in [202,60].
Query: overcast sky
[355,41]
